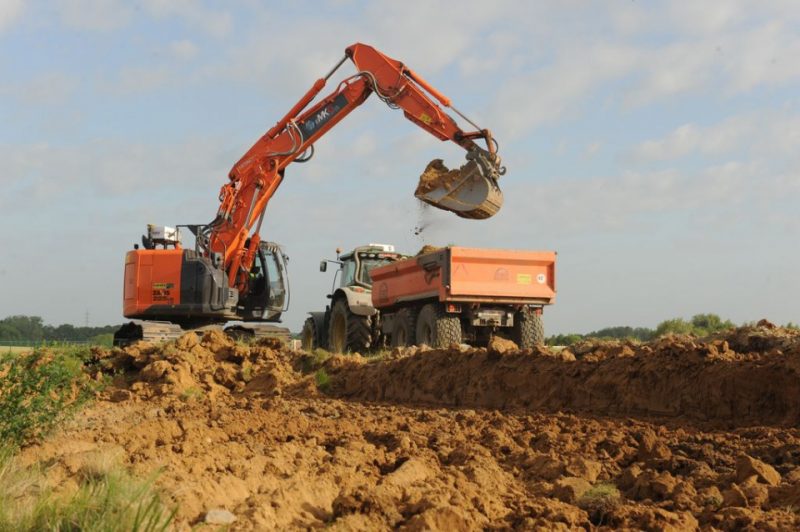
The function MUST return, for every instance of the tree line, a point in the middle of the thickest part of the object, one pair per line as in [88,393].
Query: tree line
[699,325]
[14,329]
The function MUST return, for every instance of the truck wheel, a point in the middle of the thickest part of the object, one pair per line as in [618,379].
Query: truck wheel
[308,338]
[436,328]
[404,332]
[348,332]
[528,329]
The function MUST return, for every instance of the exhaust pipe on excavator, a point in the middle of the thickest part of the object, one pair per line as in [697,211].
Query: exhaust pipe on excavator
[470,191]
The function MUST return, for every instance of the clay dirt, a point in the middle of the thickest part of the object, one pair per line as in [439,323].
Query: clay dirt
[437,175]
[677,434]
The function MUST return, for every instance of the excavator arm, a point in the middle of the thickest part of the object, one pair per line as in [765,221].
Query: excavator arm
[472,192]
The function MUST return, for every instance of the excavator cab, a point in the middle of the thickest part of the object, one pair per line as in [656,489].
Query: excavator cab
[268,296]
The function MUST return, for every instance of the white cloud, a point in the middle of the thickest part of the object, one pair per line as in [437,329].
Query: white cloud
[51,88]
[592,149]
[217,23]
[183,50]
[94,15]
[761,135]
[705,17]
[634,202]
[40,175]
[138,79]
[10,11]
[551,93]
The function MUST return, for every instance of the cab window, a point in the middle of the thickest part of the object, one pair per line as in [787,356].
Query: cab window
[277,290]
[348,273]
[367,264]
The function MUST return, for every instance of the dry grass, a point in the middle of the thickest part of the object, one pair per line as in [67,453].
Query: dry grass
[15,349]
[106,499]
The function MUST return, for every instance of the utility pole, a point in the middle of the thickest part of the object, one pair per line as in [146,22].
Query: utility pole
[86,318]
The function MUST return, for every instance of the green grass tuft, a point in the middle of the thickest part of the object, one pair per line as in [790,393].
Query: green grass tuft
[191,394]
[599,501]
[310,362]
[322,379]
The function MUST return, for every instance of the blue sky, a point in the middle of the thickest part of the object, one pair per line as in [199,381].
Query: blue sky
[652,144]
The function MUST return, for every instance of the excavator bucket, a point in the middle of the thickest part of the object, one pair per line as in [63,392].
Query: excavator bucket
[466,191]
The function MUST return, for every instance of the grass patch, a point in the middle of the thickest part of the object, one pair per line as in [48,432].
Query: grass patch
[41,388]
[599,500]
[377,356]
[247,371]
[107,498]
[310,362]
[191,394]
[322,379]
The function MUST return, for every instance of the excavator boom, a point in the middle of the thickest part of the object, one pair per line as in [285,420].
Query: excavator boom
[471,193]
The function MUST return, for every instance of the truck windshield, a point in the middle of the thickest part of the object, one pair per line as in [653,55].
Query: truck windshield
[367,264]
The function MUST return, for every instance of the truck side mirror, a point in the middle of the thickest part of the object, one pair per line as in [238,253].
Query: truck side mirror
[323,266]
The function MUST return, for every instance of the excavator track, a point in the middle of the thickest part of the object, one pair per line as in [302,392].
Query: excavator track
[164,331]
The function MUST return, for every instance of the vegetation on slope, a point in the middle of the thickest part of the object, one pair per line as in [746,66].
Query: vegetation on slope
[39,390]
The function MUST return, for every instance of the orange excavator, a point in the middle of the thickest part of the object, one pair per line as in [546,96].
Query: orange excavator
[231,274]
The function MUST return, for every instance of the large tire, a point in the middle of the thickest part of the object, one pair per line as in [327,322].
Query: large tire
[308,337]
[404,331]
[528,329]
[436,328]
[348,332]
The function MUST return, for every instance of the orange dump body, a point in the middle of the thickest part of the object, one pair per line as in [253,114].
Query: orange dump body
[457,274]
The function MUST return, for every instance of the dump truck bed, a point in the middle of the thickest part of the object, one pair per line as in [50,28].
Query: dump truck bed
[459,274]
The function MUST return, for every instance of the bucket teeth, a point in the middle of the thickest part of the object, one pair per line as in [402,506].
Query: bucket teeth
[466,191]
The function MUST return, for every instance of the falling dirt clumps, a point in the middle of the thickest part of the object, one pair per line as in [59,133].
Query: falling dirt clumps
[436,175]
[604,437]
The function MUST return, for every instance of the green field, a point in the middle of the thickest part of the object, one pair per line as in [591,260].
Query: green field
[15,349]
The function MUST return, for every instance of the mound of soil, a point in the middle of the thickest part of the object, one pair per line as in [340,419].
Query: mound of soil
[482,441]
[212,365]
[680,377]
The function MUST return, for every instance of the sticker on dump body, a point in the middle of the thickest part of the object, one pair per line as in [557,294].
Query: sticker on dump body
[524,278]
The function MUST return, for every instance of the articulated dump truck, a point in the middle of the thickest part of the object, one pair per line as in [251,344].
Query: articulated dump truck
[446,296]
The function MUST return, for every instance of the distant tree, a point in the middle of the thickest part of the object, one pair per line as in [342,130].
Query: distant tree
[24,327]
[699,325]
[709,323]
[564,339]
[32,329]
[624,333]
[674,326]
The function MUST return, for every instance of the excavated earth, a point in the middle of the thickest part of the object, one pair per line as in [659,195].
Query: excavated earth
[437,175]
[676,434]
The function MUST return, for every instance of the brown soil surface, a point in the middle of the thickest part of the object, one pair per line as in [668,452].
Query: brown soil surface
[436,175]
[672,435]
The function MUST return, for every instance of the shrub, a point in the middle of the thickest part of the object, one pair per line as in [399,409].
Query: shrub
[40,388]
[599,500]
